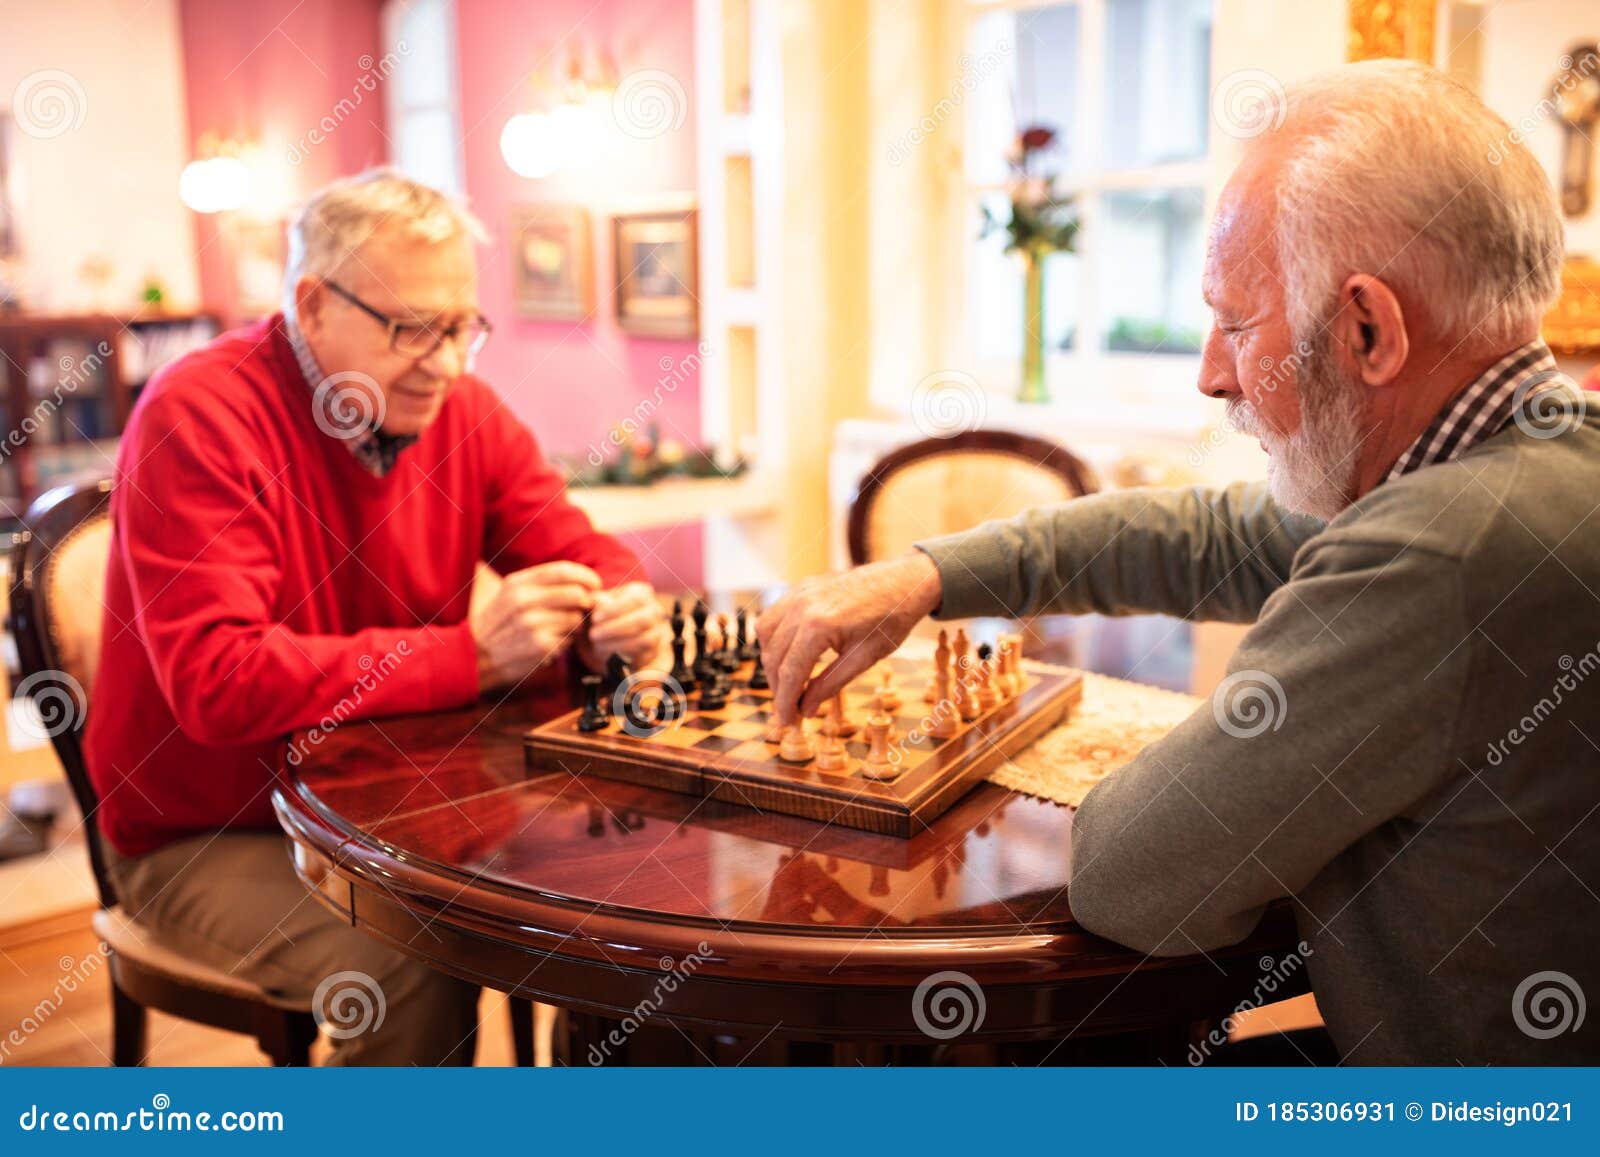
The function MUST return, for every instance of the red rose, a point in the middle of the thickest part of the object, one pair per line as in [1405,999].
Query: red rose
[1037,137]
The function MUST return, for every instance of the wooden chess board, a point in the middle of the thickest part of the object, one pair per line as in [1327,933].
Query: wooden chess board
[723,754]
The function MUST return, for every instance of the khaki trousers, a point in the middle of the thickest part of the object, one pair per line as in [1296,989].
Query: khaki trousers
[234,902]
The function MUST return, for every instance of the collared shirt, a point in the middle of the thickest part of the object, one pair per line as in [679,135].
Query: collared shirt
[1482,409]
[376,451]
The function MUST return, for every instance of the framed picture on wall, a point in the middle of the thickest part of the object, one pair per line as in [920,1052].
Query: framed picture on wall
[551,263]
[657,270]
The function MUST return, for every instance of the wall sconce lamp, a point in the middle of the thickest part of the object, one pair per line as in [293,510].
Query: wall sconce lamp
[562,134]
[218,180]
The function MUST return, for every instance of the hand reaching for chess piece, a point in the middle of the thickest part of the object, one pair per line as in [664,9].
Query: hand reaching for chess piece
[863,616]
[532,618]
[627,620]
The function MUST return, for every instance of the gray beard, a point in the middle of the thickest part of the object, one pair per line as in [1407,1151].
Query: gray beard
[1312,471]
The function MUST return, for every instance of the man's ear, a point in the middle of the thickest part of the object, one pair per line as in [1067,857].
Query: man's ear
[310,299]
[1370,327]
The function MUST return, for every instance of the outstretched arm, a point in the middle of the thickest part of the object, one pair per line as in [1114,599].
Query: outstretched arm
[1196,553]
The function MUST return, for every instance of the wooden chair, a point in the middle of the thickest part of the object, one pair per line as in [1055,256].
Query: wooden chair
[942,485]
[58,570]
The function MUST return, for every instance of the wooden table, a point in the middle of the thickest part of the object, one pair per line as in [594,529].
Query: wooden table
[679,930]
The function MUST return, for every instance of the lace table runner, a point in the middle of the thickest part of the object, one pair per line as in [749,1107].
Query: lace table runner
[1115,721]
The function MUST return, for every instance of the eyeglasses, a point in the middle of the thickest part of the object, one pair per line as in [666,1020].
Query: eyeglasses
[420,340]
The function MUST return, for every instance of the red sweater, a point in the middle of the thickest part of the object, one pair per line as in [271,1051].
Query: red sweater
[261,580]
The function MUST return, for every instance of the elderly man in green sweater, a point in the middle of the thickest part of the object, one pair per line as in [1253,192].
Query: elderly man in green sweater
[1408,742]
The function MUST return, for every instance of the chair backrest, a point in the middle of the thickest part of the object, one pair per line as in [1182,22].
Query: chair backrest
[58,574]
[942,485]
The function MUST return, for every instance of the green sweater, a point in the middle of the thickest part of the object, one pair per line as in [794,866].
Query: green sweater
[1407,744]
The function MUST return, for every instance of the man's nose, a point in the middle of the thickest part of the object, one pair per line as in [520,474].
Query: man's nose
[1217,376]
[449,361]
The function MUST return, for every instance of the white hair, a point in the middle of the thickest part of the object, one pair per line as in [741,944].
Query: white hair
[1395,170]
[340,217]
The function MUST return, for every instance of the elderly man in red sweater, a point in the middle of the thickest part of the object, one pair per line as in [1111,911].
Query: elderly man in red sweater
[297,505]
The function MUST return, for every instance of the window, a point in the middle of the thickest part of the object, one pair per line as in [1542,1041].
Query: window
[1126,85]
[419,37]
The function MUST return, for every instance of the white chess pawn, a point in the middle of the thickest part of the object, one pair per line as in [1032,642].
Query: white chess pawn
[888,697]
[796,746]
[880,729]
[831,752]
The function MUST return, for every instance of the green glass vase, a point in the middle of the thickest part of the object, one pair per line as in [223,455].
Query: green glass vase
[1033,384]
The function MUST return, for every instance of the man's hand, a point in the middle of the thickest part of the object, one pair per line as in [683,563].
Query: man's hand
[532,618]
[862,615]
[627,621]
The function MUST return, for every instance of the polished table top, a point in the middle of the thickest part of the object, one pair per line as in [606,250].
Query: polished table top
[430,831]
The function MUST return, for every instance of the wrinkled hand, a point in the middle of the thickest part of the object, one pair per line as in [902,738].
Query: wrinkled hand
[862,616]
[532,618]
[627,620]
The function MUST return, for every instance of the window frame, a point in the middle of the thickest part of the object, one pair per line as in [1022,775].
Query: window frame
[1113,387]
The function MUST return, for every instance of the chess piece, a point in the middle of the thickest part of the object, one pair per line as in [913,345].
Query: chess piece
[946,713]
[1019,681]
[830,752]
[594,717]
[746,650]
[728,654]
[702,651]
[774,731]
[988,693]
[758,674]
[681,675]
[965,699]
[796,746]
[1006,677]
[714,695]
[880,728]
[941,658]
[616,673]
[888,697]
[847,726]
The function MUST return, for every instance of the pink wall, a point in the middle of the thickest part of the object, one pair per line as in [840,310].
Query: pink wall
[574,382]
[269,71]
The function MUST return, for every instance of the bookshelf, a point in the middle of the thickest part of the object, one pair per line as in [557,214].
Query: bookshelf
[67,385]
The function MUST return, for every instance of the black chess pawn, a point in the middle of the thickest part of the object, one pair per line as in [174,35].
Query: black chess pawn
[594,717]
[758,675]
[985,652]
[714,695]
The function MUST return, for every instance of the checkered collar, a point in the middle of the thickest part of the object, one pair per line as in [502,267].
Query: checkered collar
[376,451]
[1482,409]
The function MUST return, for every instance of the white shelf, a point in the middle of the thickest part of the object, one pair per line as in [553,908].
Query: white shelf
[621,509]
